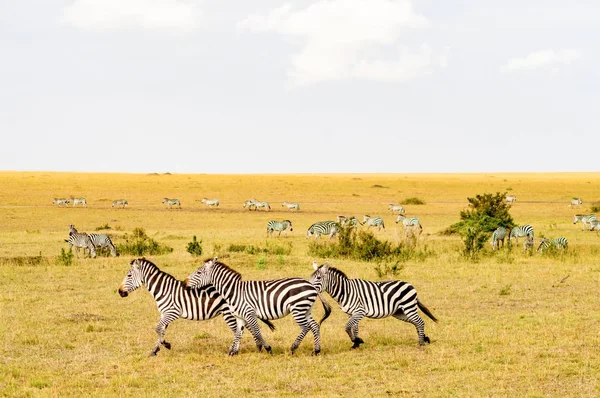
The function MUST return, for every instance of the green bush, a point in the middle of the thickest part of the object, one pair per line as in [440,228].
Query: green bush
[413,201]
[140,244]
[105,226]
[387,270]
[24,260]
[595,208]
[65,258]
[194,247]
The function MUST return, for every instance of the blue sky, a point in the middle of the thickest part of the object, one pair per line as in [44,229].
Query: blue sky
[299,86]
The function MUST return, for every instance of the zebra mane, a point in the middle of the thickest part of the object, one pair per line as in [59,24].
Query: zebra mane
[337,272]
[149,265]
[226,267]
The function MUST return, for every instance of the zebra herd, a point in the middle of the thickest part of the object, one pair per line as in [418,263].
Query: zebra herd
[526,231]
[216,289]
[92,242]
[60,202]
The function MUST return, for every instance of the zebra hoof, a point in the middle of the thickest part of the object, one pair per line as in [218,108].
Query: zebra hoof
[167,345]
[316,352]
[232,353]
[426,340]
[268,349]
[154,352]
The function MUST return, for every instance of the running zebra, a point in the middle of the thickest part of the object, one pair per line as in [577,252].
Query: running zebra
[80,240]
[262,205]
[498,236]
[373,222]
[510,199]
[60,201]
[360,298]
[558,243]
[78,201]
[396,208]
[517,232]
[173,300]
[280,226]
[271,299]
[171,202]
[576,202]
[210,202]
[250,203]
[120,202]
[595,225]
[407,222]
[323,228]
[291,206]
[584,218]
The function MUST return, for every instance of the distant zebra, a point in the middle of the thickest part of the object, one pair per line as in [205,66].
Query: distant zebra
[120,202]
[250,203]
[271,299]
[528,243]
[348,221]
[291,206]
[262,205]
[498,236]
[78,201]
[517,232]
[510,199]
[60,201]
[360,298]
[576,202]
[584,218]
[558,243]
[396,208]
[407,222]
[210,202]
[80,240]
[174,300]
[280,226]
[100,241]
[595,225]
[171,202]
[323,228]
[373,222]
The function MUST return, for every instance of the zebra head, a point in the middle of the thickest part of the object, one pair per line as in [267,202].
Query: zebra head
[310,231]
[400,218]
[133,279]
[289,224]
[320,276]
[72,230]
[543,243]
[202,276]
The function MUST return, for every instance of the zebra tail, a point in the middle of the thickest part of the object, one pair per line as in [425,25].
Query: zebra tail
[268,323]
[326,307]
[426,310]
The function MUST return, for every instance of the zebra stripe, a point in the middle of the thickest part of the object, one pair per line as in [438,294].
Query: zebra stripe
[576,202]
[173,300]
[373,222]
[510,199]
[595,224]
[100,241]
[171,202]
[498,236]
[517,232]
[558,243]
[407,222]
[210,202]
[250,203]
[323,228]
[262,205]
[396,208]
[120,202]
[80,240]
[291,206]
[272,299]
[360,298]
[78,201]
[348,221]
[584,218]
[280,226]
[60,201]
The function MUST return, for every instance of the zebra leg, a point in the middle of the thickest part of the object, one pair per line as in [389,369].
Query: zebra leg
[352,329]
[161,328]
[302,319]
[414,318]
[239,330]
[252,325]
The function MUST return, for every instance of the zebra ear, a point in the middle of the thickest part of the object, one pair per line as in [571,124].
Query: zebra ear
[325,266]
[215,259]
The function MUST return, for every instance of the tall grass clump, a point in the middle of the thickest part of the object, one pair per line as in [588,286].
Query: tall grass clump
[140,244]
[413,201]
[595,208]
[269,248]
[24,260]
[194,247]
[65,258]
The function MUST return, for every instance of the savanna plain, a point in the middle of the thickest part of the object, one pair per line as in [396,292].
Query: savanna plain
[510,323]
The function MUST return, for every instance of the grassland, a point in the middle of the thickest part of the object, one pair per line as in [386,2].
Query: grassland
[510,324]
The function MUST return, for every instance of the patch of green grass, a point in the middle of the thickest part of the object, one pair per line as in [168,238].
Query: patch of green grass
[413,201]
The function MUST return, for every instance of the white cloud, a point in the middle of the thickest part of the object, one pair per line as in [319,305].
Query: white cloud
[166,15]
[340,38]
[544,59]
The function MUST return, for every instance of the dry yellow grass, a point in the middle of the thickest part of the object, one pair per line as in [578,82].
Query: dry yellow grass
[508,326]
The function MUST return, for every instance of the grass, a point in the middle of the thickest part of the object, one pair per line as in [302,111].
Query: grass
[510,325]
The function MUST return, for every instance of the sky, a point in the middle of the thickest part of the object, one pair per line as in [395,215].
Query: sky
[299,86]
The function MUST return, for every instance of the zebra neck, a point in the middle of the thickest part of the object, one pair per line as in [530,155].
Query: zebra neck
[338,290]
[154,280]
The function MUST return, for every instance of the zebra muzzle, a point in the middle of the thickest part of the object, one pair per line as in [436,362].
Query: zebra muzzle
[122,292]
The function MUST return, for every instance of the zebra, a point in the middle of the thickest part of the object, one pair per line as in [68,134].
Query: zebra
[323,228]
[173,300]
[80,240]
[373,222]
[280,226]
[517,232]
[408,222]
[528,243]
[60,201]
[210,202]
[270,299]
[100,241]
[498,236]
[250,203]
[291,206]
[77,201]
[558,243]
[595,224]
[348,221]
[396,208]
[262,205]
[576,202]
[361,298]
[584,218]
[171,202]
[120,202]
[510,199]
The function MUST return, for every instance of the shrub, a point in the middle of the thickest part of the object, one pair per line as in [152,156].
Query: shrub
[24,260]
[194,247]
[270,248]
[413,201]
[595,208]
[65,258]
[105,226]
[387,270]
[261,264]
[140,244]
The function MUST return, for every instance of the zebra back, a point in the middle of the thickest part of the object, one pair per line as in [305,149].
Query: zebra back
[101,241]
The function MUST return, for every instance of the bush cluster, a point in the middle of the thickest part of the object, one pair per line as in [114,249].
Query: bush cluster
[194,247]
[140,244]
[413,201]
